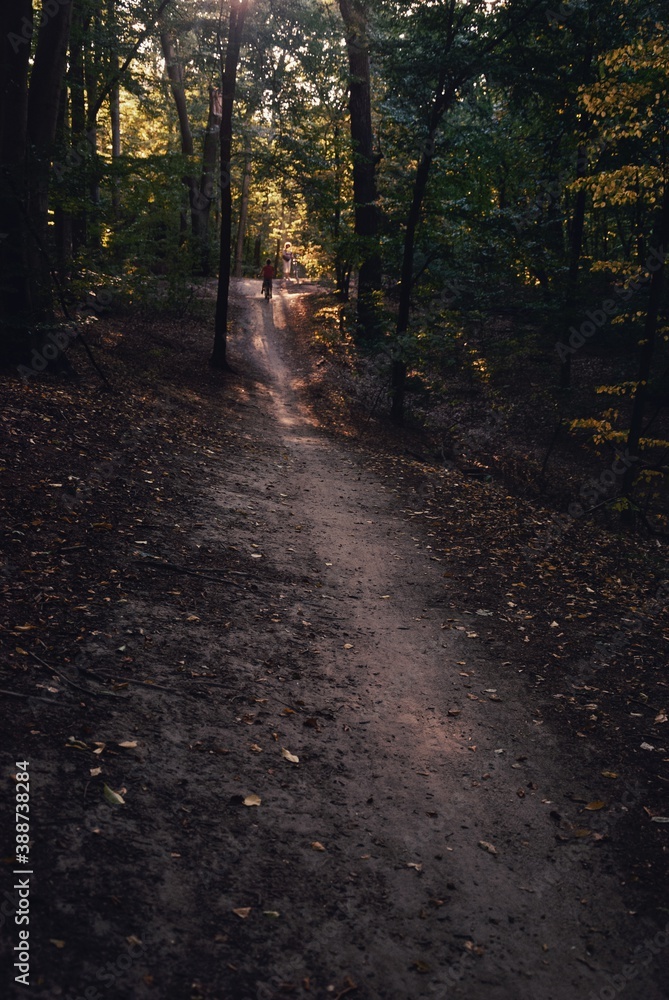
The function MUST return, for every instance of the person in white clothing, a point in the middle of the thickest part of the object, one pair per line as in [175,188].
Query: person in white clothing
[287,260]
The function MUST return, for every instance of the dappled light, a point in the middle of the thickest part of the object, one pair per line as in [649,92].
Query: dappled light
[334,351]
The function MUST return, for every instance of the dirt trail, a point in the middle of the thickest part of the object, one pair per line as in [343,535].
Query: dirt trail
[440,752]
[457,859]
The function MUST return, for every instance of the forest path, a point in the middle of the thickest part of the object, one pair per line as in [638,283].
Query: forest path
[434,754]
[332,785]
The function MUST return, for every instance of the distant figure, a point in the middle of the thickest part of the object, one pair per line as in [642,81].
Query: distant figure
[267,276]
[287,258]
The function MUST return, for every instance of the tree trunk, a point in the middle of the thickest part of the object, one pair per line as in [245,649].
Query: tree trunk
[77,86]
[46,80]
[202,208]
[399,370]
[243,213]
[365,195]
[647,346]
[175,76]
[237,18]
[15,292]
[575,249]
[115,115]
[93,75]
[62,218]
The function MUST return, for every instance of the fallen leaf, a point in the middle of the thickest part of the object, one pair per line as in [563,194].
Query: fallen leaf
[252,800]
[95,771]
[490,848]
[418,865]
[660,819]
[76,744]
[317,846]
[594,806]
[255,748]
[112,797]
[129,744]
[242,911]
[274,914]
[609,774]
[348,645]
[192,618]
[647,746]
[421,967]
[58,943]
[287,755]
[475,949]
[661,715]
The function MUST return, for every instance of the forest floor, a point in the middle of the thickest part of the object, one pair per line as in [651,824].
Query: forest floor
[364,748]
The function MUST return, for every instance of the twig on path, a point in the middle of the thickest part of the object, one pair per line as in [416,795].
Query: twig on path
[591,967]
[126,680]
[344,992]
[173,567]
[66,679]
[28,697]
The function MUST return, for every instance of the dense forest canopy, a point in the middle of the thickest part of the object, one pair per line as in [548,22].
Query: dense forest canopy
[478,182]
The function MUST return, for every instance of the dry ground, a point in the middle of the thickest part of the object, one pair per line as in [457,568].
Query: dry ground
[337,777]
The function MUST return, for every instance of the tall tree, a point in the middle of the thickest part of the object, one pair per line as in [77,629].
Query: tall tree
[441,47]
[365,159]
[15,297]
[238,12]
[29,110]
[174,71]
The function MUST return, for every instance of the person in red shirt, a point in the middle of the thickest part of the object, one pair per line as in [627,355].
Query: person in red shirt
[267,275]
